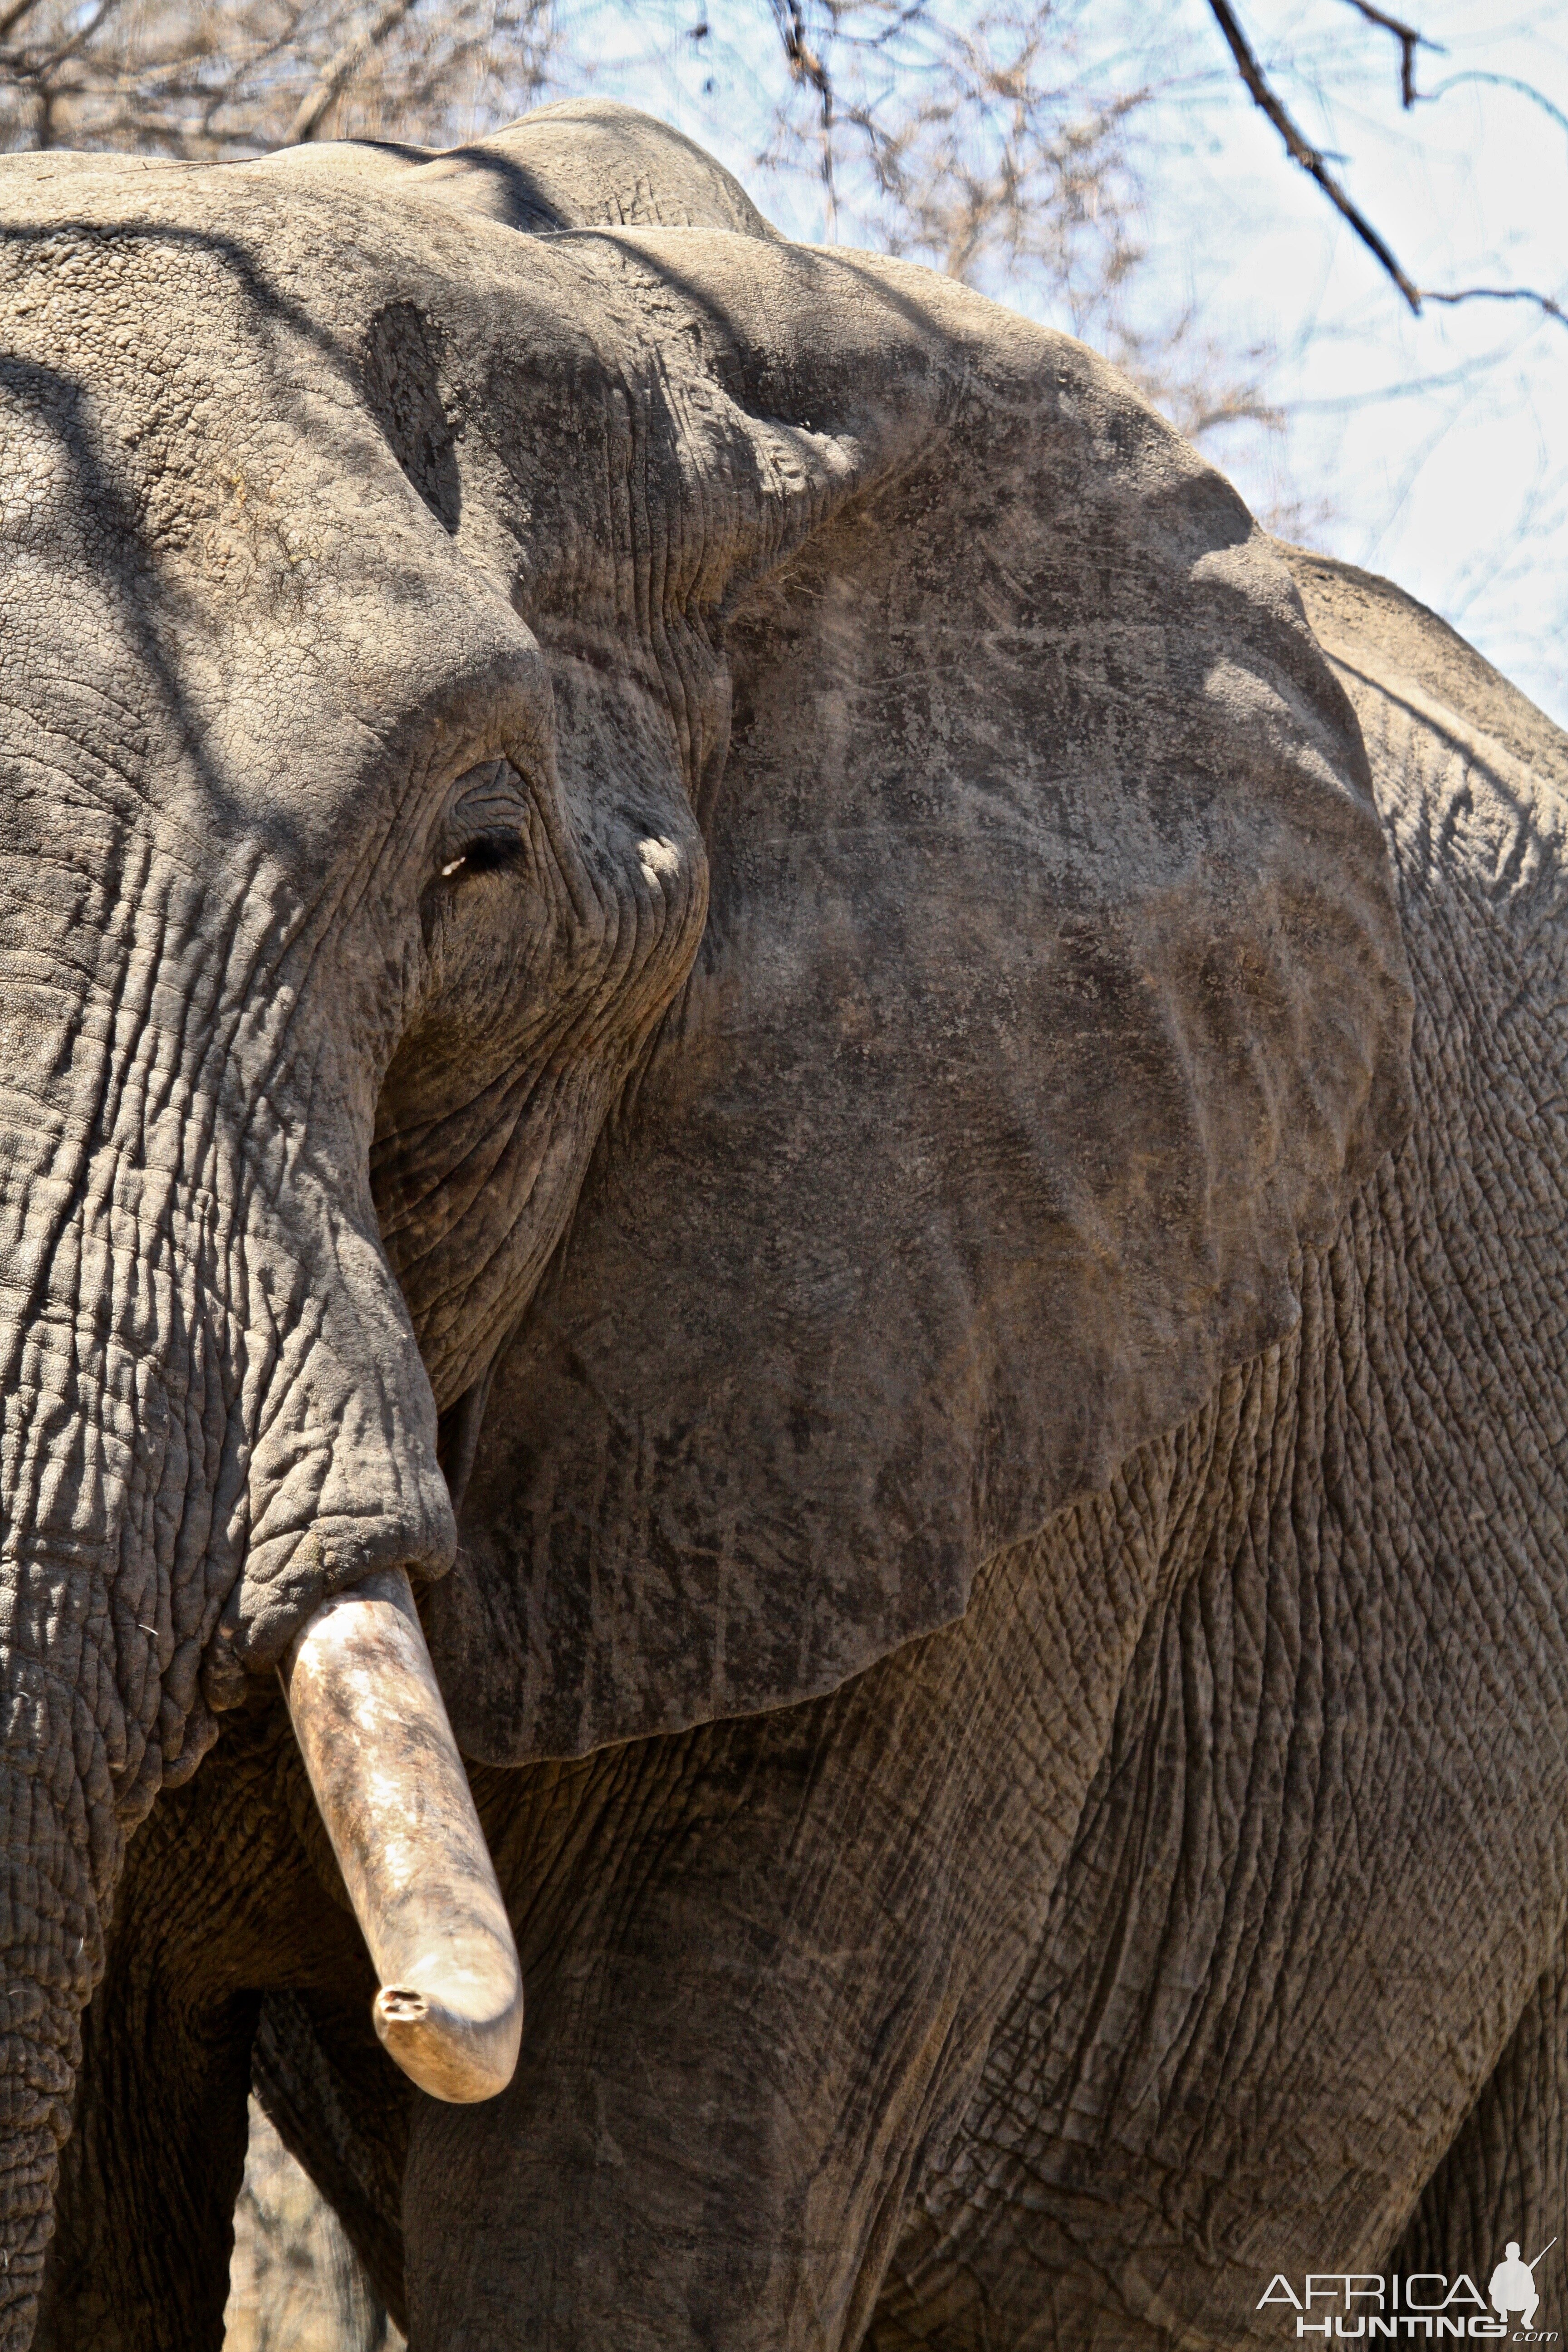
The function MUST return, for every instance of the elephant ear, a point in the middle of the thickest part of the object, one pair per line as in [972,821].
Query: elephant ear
[1052,1000]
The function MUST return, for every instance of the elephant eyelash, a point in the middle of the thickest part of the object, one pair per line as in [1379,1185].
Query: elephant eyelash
[486,855]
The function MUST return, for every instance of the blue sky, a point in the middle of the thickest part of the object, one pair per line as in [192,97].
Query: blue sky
[1434,449]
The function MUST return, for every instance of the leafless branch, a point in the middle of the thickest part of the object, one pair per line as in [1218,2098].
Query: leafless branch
[806,65]
[80,38]
[202,79]
[1499,81]
[341,69]
[1312,161]
[1542,302]
[804,61]
[1301,149]
[1409,41]
[1232,410]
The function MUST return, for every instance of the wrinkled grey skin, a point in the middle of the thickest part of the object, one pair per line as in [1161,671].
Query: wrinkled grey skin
[710,901]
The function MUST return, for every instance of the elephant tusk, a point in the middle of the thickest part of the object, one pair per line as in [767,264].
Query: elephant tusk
[372,1729]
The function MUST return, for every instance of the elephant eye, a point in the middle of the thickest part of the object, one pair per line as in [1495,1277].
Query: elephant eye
[486,853]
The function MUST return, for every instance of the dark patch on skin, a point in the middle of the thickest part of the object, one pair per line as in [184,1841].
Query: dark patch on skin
[458,1437]
[403,385]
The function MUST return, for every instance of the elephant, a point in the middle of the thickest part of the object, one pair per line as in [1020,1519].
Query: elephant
[723,1003]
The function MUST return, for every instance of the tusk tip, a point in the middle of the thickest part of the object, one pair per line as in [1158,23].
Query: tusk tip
[399,2006]
[456,2058]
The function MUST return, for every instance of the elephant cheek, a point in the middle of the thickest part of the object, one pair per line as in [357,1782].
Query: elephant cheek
[472,1206]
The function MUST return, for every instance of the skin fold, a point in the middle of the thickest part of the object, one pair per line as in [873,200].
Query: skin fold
[697,939]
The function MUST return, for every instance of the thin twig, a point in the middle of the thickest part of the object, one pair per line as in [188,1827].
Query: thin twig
[341,69]
[804,65]
[1409,41]
[1502,81]
[1542,302]
[804,62]
[1301,149]
[79,39]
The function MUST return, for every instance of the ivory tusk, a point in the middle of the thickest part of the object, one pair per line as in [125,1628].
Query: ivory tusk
[372,1729]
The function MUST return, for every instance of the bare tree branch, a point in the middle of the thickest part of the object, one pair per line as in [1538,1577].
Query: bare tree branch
[341,69]
[1499,81]
[804,61]
[202,79]
[80,38]
[806,65]
[1312,161]
[1301,149]
[1409,41]
[1542,302]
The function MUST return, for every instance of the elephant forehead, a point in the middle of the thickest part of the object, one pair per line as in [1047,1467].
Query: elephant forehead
[255,351]
[269,289]
[174,413]
[214,567]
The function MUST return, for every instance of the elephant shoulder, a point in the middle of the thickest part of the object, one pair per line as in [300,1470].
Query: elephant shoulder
[1470,778]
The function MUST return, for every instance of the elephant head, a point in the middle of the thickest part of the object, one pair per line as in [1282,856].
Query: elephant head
[707,888]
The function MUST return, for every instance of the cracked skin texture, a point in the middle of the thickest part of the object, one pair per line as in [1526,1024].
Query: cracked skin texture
[963,1177]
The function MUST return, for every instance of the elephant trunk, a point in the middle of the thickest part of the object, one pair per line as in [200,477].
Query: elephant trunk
[395,1800]
[50,1938]
[101,1641]
[206,1410]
